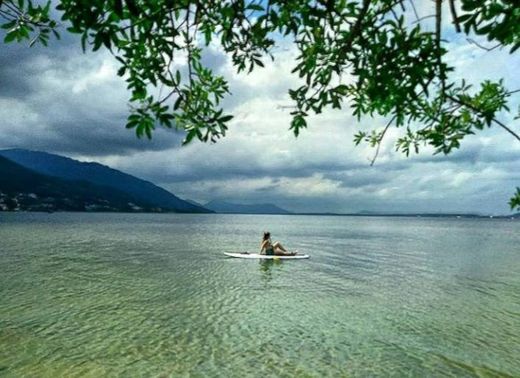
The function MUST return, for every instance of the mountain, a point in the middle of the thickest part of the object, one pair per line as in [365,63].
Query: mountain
[98,174]
[227,207]
[512,216]
[193,202]
[24,189]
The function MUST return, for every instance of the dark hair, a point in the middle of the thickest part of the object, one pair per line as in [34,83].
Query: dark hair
[267,235]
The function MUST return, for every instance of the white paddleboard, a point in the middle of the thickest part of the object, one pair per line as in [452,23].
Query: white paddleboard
[265,257]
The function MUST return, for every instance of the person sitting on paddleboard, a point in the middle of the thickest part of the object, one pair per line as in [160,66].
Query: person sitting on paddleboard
[273,249]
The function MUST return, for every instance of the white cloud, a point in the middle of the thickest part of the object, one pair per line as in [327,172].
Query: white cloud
[261,159]
[106,73]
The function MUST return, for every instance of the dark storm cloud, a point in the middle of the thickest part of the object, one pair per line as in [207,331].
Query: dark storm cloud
[16,79]
[92,138]
[12,83]
[246,169]
[18,70]
[55,115]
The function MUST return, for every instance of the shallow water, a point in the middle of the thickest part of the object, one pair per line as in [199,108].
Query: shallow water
[152,295]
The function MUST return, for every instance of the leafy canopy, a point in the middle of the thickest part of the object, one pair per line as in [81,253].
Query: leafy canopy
[374,55]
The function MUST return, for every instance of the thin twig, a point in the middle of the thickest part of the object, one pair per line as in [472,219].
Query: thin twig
[438,22]
[167,97]
[146,17]
[423,18]
[13,7]
[380,140]
[482,46]
[188,45]
[394,14]
[7,15]
[506,128]
[414,10]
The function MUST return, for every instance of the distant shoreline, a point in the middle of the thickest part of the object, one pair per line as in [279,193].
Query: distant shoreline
[372,215]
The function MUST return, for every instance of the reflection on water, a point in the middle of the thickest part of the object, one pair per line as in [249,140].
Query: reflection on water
[153,295]
[266,267]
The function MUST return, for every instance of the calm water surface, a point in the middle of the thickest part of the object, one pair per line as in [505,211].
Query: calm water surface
[152,295]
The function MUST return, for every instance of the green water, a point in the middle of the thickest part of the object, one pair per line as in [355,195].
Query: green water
[152,295]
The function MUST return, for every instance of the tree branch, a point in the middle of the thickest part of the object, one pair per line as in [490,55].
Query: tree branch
[454,16]
[479,112]
[380,140]
[423,18]
[13,7]
[482,46]
[7,15]
[414,10]
[188,45]
[507,129]
[356,28]
[438,23]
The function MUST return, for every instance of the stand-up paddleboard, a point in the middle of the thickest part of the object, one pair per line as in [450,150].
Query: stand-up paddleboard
[247,255]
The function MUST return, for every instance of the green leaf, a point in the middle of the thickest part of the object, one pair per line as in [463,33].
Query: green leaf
[256,7]
[189,136]
[342,89]
[514,202]
[9,37]
[177,103]
[226,118]
[9,25]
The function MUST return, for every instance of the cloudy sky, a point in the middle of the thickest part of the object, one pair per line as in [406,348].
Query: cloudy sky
[59,100]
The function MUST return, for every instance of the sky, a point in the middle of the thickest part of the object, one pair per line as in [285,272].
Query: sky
[60,100]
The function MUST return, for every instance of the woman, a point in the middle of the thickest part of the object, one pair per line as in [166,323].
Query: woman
[273,249]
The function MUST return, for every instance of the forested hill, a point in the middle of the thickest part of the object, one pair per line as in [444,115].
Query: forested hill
[98,174]
[22,189]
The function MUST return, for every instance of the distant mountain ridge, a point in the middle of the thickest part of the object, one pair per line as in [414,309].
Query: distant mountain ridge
[22,189]
[193,202]
[98,174]
[233,208]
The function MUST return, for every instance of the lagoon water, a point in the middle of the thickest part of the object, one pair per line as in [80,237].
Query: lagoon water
[153,295]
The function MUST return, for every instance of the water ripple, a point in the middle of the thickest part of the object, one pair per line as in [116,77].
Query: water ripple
[142,295]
